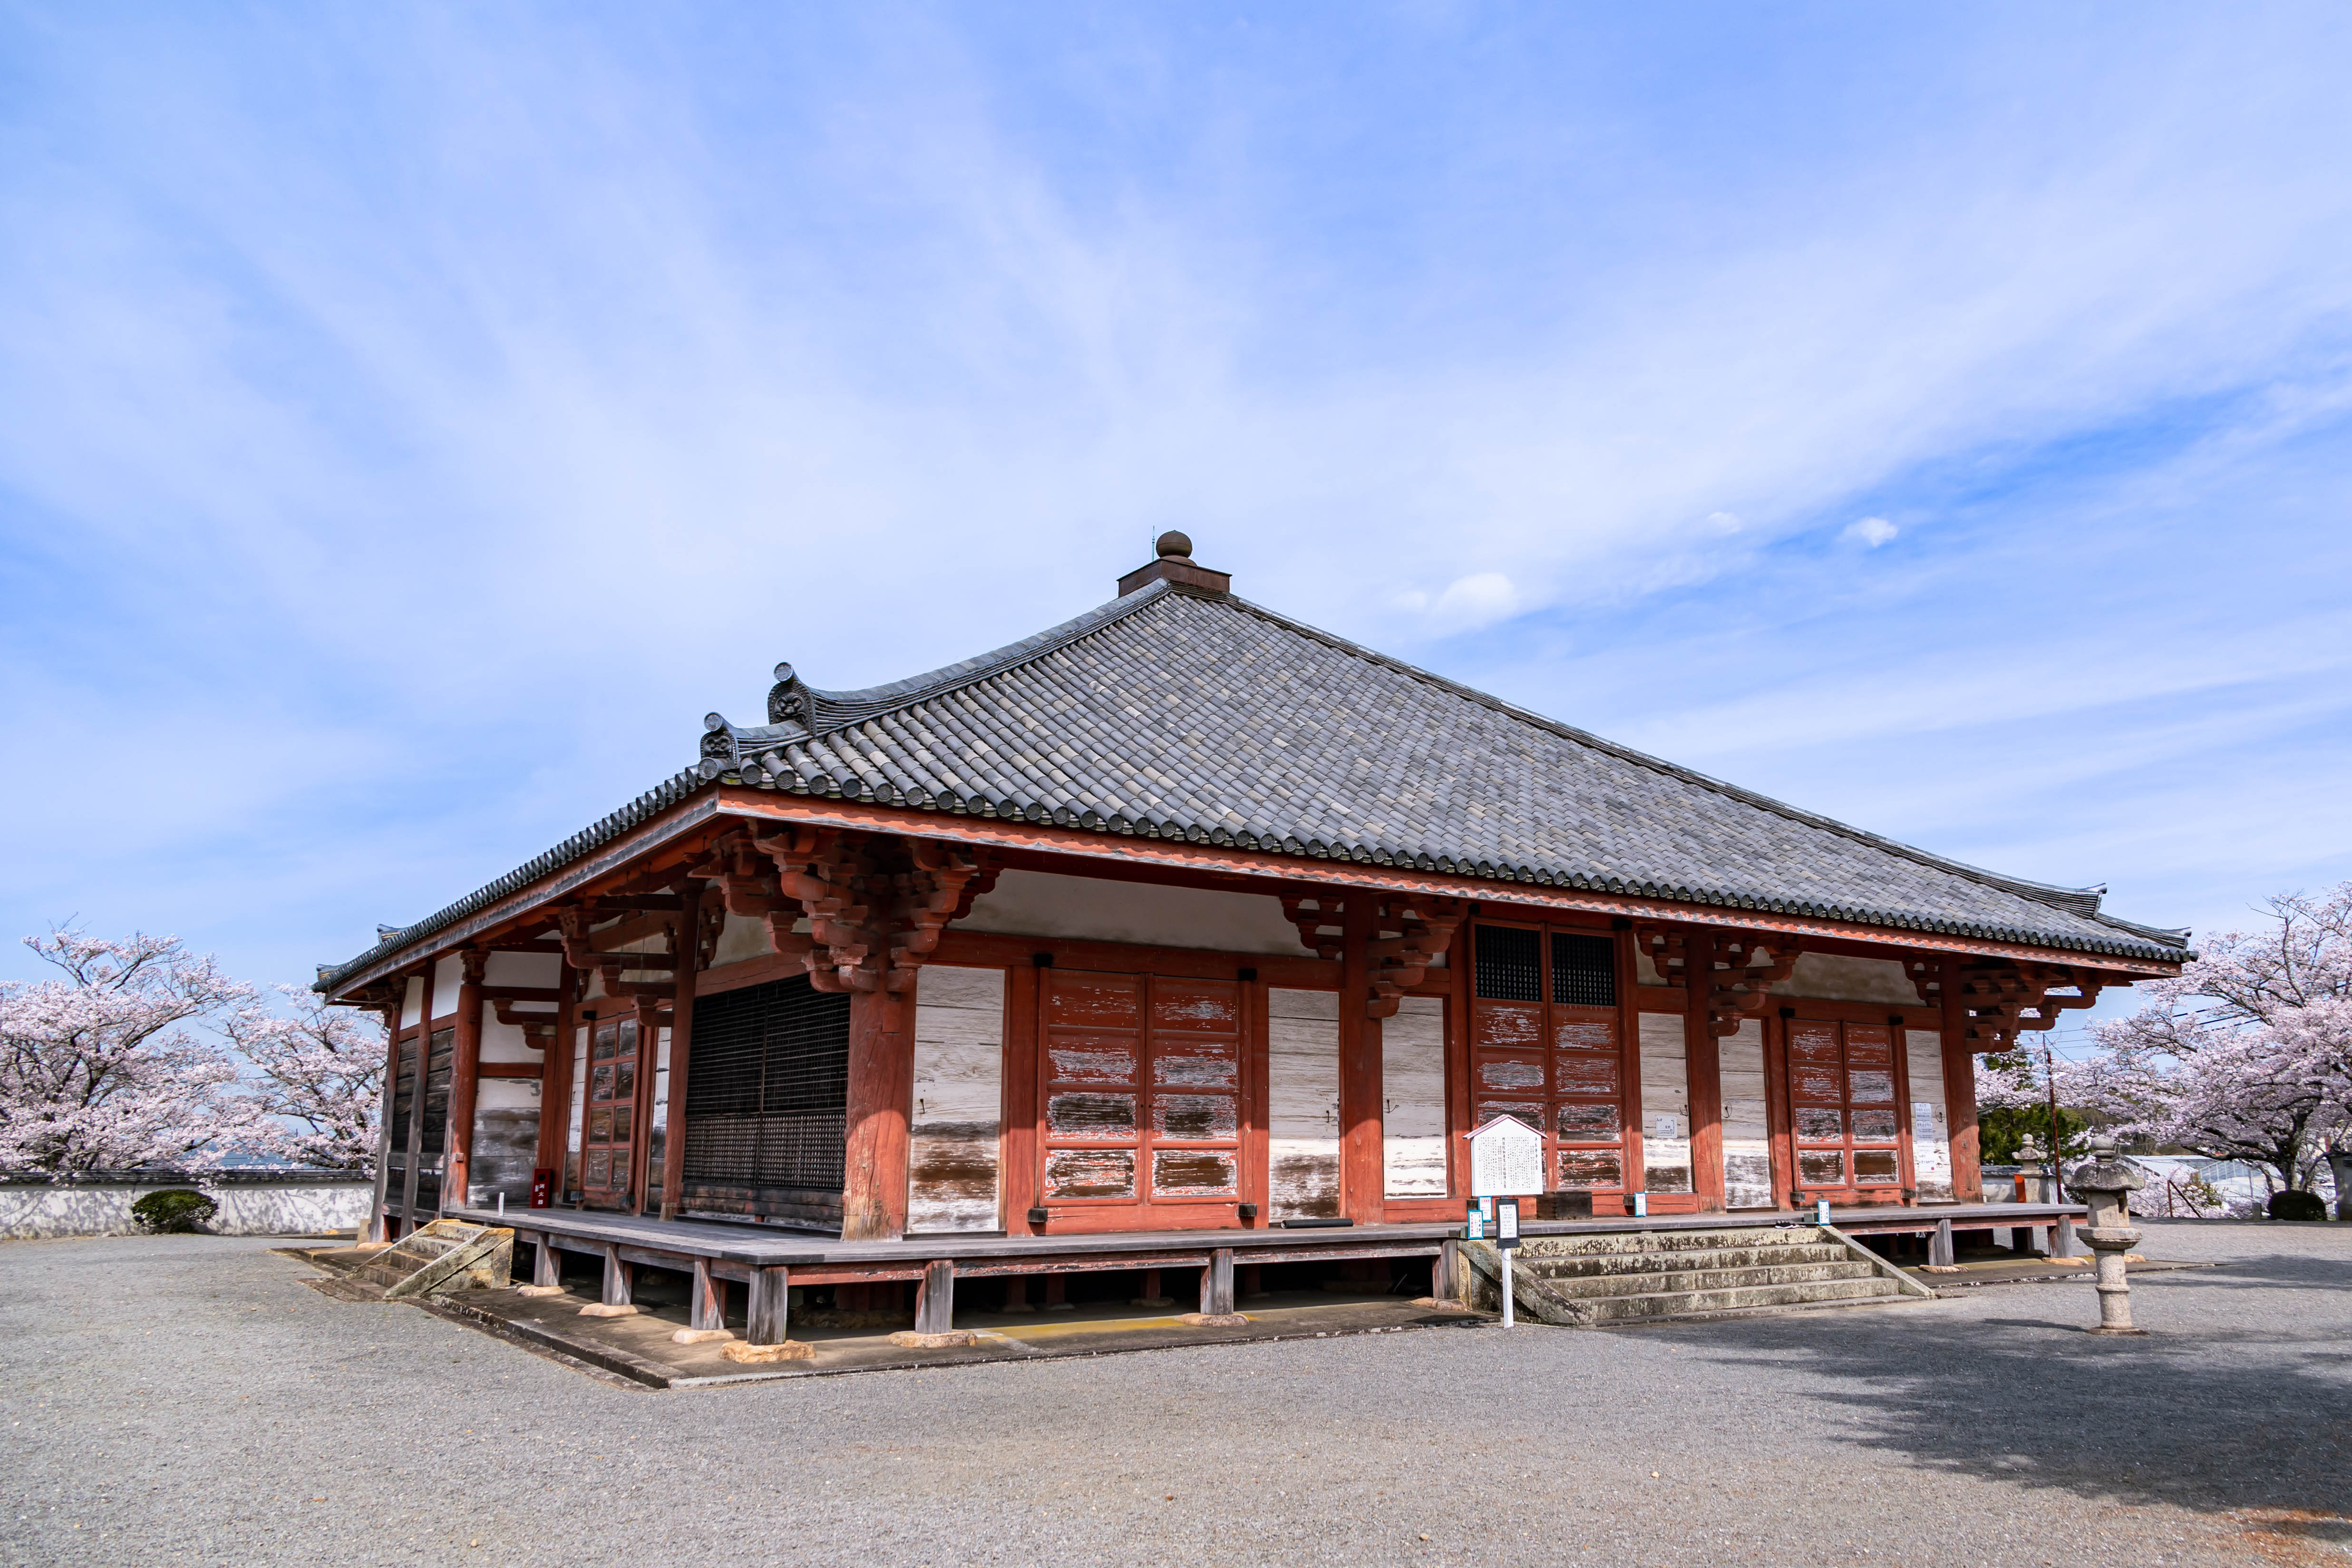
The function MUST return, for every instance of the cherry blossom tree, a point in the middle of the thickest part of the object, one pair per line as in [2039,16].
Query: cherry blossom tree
[98,1069]
[2247,1055]
[320,1081]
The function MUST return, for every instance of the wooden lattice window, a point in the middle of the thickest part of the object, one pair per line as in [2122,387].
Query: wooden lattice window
[1548,1046]
[610,1137]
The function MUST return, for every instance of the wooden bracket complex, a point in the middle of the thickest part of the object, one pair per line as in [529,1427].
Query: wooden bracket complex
[2001,998]
[876,903]
[1664,947]
[1746,966]
[1320,919]
[1746,969]
[1407,937]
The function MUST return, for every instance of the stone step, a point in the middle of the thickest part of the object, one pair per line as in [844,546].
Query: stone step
[1552,1267]
[1682,1303]
[1582,1243]
[1725,1313]
[1599,1287]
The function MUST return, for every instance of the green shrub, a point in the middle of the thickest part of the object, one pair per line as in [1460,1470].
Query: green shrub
[175,1210]
[2297,1205]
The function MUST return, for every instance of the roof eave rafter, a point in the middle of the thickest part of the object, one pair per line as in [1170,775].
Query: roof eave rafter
[745,804]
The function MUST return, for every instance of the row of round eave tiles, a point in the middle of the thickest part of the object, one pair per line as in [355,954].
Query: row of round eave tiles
[1095,822]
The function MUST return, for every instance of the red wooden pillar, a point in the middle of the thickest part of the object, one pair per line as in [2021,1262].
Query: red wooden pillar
[1360,1182]
[1257,1139]
[378,1230]
[1778,1117]
[555,1082]
[1960,1090]
[1018,1156]
[465,1072]
[1461,968]
[1704,1063]
[681,1045]
[416,1094]
[881,1100]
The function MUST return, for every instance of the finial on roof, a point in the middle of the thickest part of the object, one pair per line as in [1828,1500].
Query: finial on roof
[1175,566]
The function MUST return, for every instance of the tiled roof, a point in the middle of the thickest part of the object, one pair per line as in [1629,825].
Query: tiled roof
[1177,713]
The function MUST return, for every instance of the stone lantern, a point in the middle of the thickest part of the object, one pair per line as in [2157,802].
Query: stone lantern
[2032,1181]
[2105,1183]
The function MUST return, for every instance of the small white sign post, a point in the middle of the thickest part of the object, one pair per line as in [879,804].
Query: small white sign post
[1506,1162]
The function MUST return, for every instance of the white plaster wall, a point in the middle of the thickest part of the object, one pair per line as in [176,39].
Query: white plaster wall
[1832,977]
[411,1000]
[1746,1130]
[956,1140]
[28,1213]
[1931,1131]
[1303,1104]
[579,1108]
[657,1128]
[506,1042]
[523,968]
[506,1141]
[1665,1094]
[743,937]
[1412,1098]
[1039,903]
[448,974]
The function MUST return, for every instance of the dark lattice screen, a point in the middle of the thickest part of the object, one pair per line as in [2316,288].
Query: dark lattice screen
[1584,970]
[1510,965]
[403,1094]
[767,1088]
[435,1133]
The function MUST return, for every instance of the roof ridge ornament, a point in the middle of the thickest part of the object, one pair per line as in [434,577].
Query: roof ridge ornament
[788,700]
[1176,567]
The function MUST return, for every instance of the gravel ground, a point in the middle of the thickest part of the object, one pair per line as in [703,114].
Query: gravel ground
[189,1400]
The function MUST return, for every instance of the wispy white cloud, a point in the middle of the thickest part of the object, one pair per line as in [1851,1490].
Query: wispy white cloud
[410,423]
[1870,533]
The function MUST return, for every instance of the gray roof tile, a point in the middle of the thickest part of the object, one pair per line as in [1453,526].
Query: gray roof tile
[1183,714]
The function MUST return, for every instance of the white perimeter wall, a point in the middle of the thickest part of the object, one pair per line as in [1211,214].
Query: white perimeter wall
[246,1208]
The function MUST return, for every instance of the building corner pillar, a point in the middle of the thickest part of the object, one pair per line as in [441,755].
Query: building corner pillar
[1702,1049]
[465,1074]
[1362,1185]
[1960,1091]
[881,1102]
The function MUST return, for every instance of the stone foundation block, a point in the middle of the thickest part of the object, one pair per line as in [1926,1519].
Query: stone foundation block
[609,1310]
[907,1339]
[701,1336]
[1214,1320]
[755,1356]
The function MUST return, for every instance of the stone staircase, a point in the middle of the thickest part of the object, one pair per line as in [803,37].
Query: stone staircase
[1598,1279]
[447,1255]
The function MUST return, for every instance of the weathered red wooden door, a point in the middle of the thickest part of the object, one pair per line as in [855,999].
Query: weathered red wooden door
[1143,1090]
[610,1135]
[1547,1040]
[1843,1112]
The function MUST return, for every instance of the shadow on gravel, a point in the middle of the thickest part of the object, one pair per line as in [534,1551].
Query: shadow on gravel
[2218,1419]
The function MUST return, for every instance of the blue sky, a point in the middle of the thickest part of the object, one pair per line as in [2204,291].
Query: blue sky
[414,418]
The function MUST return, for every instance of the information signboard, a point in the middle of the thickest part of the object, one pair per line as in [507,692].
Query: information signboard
[1506,1158]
